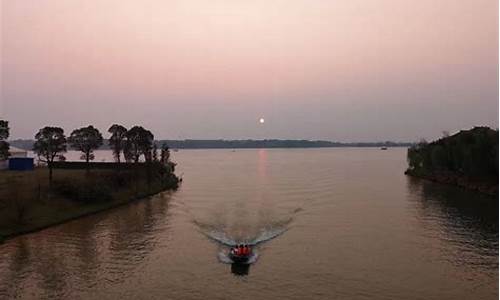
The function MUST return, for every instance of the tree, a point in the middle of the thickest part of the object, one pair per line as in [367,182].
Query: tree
[165,154]
[4,135]
[139,142]
[154,152]
[86,139]
[117,140]
[471,153]
[165,158]
[127,152]
[50,143]
[439,157]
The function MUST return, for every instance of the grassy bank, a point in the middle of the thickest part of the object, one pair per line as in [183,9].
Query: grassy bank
[29,203]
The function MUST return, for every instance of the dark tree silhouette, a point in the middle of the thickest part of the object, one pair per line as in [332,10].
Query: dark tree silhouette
[165,158]
[139,142]
[471,153]
[4,135]
[50,143]
[86,139]
[117,140]
[154,153]
[165,154]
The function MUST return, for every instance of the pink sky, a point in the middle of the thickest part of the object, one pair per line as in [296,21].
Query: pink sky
[339,70]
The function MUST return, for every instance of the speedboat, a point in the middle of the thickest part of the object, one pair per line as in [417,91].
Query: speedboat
[239,258]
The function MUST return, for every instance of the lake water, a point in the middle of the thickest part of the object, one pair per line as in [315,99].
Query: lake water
[332,224]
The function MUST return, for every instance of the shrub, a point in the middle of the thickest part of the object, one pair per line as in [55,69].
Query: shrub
[87,192]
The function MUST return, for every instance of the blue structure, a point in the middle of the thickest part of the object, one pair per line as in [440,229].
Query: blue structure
[21,164]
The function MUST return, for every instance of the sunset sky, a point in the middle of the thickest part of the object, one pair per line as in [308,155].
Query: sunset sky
[344,70]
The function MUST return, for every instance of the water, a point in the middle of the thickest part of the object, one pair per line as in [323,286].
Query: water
[326,224]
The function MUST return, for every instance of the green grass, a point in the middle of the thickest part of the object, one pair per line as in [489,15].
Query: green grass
[27,203]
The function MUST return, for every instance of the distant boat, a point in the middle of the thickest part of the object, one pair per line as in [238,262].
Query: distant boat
[383,148]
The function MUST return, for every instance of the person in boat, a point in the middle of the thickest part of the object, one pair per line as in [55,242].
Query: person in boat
[241,250]
[245,250]
[237,250]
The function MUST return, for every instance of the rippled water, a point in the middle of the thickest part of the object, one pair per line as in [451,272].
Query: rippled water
[328,224]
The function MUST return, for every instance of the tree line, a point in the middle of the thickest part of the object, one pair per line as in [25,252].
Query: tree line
[51,143]
[245,144]
[4,135]
[472,153]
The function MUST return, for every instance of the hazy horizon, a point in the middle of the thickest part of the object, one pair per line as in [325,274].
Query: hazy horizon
[348,71]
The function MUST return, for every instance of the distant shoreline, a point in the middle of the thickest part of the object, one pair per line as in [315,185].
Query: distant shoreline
[245,144]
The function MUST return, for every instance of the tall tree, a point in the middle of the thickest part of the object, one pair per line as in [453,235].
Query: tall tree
[165,154]
[127,152]
[86,139]
[50,143]
[4,135]
[154,152]
[165,158]
[117,140]
[139,142]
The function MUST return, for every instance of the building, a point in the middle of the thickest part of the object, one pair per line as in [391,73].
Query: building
[14,153]
[21,164]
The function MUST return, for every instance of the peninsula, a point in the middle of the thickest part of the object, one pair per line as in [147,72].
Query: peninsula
[468,159]
[59,191]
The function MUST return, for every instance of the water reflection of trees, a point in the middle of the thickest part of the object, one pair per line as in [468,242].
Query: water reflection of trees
[106,247]
[467,219]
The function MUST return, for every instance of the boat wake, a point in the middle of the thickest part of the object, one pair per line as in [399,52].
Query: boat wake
[263,236]
[219,234]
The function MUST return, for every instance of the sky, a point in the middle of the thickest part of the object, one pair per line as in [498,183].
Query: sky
[340,70]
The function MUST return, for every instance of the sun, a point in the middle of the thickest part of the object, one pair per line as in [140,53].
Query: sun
[261,120]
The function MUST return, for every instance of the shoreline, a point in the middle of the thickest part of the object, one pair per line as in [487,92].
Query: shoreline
[29,203]
[480,186]
[81,214]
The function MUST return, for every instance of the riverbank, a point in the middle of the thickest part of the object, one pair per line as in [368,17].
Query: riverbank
[28,203]
[487,187]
